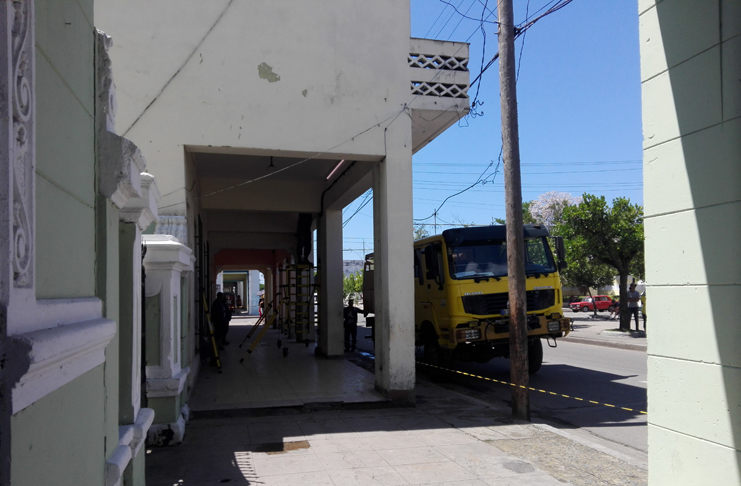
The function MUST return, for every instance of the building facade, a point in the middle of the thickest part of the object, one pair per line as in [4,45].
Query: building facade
[263,120]
[690,70]
[257,122]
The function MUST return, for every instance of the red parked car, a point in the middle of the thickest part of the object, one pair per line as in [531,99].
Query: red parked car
[603,303]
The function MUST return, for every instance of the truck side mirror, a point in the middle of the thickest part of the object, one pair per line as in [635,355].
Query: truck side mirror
[560,249]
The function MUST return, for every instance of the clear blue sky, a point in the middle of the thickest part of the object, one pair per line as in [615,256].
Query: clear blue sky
[579,113]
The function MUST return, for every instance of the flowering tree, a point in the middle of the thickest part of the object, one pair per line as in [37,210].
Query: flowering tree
[548,208]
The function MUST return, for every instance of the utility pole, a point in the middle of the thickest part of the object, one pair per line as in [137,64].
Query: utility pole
[513,202]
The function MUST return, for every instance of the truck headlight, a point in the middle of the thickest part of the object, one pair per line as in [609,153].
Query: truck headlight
[467,334]
[554,326]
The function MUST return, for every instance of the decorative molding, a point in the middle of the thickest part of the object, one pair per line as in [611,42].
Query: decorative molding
[143,423]
[443,90]
[436,61]
[50,313]
[120,161]
[176,226]
[165,252]
[167,387]
[107,105]
[17,109]
[120,166]
[438,68]
[130,441]
[142,210]
[54,357]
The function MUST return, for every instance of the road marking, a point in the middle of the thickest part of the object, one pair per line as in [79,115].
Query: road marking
[530,388]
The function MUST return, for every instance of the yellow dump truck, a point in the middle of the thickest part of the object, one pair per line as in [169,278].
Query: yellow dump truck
[461,293]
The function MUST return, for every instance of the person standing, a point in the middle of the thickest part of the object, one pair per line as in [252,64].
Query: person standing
[350,323]
[634,305]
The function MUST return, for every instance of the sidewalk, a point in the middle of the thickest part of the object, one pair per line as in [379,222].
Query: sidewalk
[448,439]
[275,420]
[601,331]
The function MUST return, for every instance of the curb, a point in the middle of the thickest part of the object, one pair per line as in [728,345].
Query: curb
[606,344]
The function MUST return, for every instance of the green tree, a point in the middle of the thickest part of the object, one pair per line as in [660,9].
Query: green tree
[584,271]
[607,235]
[527,217]
[352,285]
[457,219]
[420,232]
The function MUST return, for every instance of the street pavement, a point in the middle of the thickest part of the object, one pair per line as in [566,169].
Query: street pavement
[448,438]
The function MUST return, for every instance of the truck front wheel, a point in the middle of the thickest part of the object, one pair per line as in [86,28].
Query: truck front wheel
[433,354]
[534,355]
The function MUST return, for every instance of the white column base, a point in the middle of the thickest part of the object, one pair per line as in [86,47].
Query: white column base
[130,441]
[163,435]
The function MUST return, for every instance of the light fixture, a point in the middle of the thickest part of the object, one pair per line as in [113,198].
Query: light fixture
[336,168]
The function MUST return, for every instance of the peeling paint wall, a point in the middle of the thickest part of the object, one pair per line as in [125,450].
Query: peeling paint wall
[269,75]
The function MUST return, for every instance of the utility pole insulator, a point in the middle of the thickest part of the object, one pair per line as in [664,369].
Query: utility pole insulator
[513,201]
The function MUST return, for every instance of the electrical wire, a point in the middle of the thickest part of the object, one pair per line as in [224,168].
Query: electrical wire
[360,207]
[461,20]
[519,30]
[467,17]
[449,19]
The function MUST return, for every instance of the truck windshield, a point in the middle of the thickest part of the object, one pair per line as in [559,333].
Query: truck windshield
[477,259]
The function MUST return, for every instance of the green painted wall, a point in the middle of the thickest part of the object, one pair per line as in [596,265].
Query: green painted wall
[65,149]
[166,409]
[57,440]
[127,318]
[106,274]
[135,472]
[153,315]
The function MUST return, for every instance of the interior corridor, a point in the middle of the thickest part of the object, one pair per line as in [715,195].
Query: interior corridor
[267,379]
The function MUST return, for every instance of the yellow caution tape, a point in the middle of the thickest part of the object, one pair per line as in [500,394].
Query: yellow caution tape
[529,388]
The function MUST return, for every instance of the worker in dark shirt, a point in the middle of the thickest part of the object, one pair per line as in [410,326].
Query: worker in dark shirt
[350,323]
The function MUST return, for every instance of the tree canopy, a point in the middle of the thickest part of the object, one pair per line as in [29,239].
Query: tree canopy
[599,234]
[527,218]
[548,208]
[420,232]
[352,285]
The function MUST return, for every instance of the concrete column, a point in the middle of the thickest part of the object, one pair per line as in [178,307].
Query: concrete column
[329,242]
[165,262]
[129,331]
[253,287]
[394,273]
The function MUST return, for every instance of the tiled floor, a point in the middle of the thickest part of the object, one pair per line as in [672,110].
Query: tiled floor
[268,379]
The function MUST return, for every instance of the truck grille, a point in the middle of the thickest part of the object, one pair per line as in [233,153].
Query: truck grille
[488,304]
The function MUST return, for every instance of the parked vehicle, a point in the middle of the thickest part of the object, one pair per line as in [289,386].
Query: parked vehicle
[461,294]
[603,303]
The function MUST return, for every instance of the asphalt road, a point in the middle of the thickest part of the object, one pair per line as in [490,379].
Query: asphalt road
[601,374]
